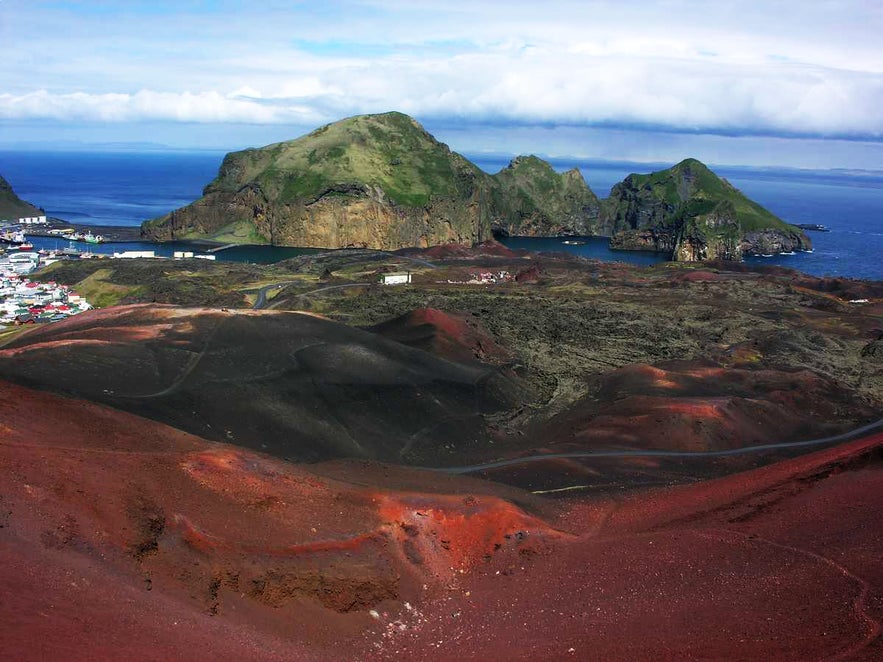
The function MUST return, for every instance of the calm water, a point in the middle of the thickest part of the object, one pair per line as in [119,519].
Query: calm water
[123,188]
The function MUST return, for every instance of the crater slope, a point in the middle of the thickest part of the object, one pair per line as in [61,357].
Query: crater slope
[292,384]
[119,533]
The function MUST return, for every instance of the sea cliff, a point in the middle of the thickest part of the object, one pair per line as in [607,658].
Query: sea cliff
[382,181]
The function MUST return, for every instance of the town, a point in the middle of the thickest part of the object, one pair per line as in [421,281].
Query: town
[23,301]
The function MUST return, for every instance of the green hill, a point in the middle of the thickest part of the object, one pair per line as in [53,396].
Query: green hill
[382,181]
[11,206]
[378,181]
[540,202]
[694,214]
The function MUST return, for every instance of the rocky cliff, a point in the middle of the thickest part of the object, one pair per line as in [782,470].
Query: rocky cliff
[382,181]
[377,181]
[693,214]
[537,201]
[11,206]
[373,180]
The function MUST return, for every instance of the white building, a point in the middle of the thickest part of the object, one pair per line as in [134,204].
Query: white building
[396,278]
[134,254]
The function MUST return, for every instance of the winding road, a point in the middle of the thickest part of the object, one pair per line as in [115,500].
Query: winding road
[261,301]
[870,427]
[262,292]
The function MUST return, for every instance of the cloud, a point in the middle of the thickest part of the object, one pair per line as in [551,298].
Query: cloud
[677,66]
[148,105]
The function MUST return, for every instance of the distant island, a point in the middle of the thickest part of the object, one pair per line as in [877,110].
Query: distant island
[382,181]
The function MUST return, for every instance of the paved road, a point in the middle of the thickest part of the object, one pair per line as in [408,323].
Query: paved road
[261,300]
[870,427]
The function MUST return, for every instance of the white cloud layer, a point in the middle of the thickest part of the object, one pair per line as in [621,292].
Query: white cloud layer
[741,68]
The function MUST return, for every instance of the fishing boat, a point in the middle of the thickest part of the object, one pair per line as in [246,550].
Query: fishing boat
[89,238]
[14,238]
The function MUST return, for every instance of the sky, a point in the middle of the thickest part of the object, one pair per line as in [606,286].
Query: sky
[746,83]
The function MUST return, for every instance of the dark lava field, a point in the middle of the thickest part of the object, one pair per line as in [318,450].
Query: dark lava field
[570,460]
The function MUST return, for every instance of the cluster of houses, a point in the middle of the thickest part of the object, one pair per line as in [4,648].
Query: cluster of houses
[480,278]
[26,302]
[490,278]
[19,263]
[23,301]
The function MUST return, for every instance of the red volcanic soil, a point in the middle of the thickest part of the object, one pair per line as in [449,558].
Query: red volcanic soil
[843,288]
[778,563]
[531,274]
[489,248]
[699,276]
[455,337]
[124,538]
[698,405]
[119,534]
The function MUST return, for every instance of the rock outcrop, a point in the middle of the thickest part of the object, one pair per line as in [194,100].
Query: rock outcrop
[382,181]
[379,181]
[693,214]
[539,202]
[11,206]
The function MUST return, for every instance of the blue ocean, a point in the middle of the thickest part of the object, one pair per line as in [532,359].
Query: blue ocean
[126,188]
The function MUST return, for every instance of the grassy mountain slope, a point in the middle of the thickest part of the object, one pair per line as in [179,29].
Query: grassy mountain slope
[381,181]
[391,152]
[371,180]
[690,211]
[11,206]
[540,201]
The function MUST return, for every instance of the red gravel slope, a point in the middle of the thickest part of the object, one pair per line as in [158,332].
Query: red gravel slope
[123,538]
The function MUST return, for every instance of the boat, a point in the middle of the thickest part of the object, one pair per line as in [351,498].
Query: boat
[26,246]
[14,238]
[88,237]
[574,242]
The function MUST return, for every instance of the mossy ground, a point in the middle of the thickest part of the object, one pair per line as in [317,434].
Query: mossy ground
[185,282]
[101,292]
[388,151]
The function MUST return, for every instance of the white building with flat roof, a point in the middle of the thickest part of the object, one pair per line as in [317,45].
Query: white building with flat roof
[134,254]
[396,278]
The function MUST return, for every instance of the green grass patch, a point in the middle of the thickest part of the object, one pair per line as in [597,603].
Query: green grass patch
[100,291]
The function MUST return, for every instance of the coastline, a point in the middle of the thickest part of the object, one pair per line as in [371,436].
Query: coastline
[111,233]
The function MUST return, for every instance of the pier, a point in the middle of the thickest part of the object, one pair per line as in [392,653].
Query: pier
[218,249]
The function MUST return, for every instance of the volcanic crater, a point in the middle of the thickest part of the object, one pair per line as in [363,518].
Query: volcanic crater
[598,463]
